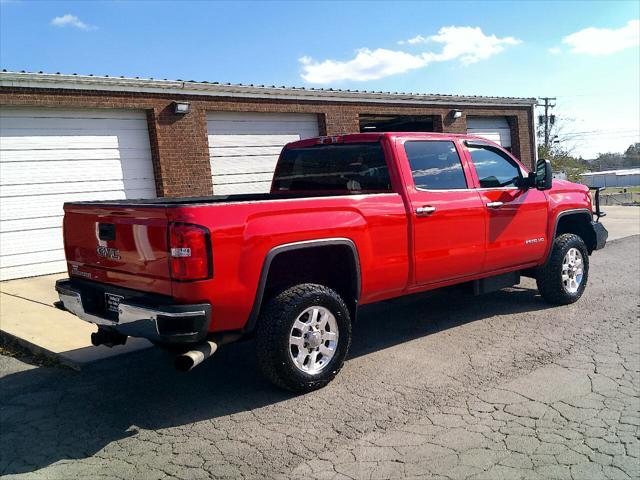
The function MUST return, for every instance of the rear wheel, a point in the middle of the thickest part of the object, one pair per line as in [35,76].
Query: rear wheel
[563,278]
[303,337]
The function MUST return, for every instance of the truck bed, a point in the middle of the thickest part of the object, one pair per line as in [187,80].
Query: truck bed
[163,202]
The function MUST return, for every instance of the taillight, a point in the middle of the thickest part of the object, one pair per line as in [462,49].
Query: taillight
[189,252]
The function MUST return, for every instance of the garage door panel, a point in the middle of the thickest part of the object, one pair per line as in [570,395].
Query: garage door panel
[243,178]
[488,134]
[500,136]
[244,147]
[261,116]
[26,224]
[24,173]
[75,154]
[495,129]
[244,151]
[7,191]
[45,240]
[75,124]
[61,138]
[52,156]
[257,128]
[13,208]
[240,188]
[30,258]
[33,270]
[257,164]
[245,140]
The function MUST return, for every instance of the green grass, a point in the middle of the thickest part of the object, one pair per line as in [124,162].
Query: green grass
[611,190]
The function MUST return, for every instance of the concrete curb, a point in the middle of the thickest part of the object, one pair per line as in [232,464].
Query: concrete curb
[79,358]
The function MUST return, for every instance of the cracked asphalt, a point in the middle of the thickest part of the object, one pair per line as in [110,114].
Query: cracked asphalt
[445,386]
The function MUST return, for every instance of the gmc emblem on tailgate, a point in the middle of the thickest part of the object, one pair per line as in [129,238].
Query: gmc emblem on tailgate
[107,252]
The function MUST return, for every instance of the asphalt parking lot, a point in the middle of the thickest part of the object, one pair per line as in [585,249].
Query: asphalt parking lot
[449,386]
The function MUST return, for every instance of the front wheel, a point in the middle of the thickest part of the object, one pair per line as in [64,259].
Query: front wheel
[303,337]
[563,278]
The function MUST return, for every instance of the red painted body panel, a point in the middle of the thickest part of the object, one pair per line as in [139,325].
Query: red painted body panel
[399,252]
[565,196]
[448,243]
[141,240]
[243,233]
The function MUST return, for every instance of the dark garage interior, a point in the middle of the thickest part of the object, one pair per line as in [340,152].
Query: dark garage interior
[396,123]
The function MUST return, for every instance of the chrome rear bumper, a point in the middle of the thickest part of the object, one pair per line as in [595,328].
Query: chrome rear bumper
[165,323]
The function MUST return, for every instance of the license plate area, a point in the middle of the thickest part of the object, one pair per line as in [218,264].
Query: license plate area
[111,303]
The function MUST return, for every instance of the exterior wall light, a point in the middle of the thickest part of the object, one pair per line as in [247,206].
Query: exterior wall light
[456,114]
[181,108]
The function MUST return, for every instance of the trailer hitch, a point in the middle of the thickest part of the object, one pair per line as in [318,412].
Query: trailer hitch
[107,338]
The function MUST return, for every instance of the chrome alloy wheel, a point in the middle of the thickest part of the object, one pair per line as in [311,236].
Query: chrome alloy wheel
[313,340]
[572,270]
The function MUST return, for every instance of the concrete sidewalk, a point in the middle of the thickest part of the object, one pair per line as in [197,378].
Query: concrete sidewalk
[28,316]
[621,221]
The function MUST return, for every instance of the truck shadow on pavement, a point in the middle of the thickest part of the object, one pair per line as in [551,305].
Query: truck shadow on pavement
[53,414]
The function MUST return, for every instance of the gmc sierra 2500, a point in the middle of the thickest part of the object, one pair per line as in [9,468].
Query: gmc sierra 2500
[350,220]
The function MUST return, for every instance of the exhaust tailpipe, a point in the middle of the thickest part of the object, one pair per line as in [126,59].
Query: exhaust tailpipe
[188,360]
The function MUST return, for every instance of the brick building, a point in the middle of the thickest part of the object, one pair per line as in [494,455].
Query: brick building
[71,137]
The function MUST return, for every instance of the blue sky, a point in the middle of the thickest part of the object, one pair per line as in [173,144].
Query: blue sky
[527,49]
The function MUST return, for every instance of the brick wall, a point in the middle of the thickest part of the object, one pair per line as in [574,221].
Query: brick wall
[179,144]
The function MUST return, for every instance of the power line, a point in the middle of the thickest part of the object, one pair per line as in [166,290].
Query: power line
[598,136]
[599,131]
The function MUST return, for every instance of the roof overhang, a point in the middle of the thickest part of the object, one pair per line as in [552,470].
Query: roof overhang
[178,87]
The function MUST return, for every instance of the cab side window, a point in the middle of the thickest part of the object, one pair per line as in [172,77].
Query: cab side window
[435,165]
[494,169]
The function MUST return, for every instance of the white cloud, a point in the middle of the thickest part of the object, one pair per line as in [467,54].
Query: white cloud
[468,44]
[69,20]
[554,50]
[366,65]
[604,41]
[414,41]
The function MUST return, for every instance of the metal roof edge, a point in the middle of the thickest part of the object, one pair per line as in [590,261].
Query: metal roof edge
[179,87]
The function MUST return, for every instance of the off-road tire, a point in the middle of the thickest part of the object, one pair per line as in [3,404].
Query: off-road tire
[549,276]
[274,327]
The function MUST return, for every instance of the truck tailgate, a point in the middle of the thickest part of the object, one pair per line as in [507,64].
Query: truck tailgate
[119,245]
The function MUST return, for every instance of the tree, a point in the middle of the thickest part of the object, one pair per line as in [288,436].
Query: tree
[563,161]
[632,155]
[615,161]
[559,151]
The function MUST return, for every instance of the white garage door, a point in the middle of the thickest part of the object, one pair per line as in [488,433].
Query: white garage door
[52,156]
[495,129]
[244,147]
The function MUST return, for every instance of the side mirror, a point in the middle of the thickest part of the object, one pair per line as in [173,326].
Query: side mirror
[544,175]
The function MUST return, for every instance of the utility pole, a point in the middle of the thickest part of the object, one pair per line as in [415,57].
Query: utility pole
[547,119]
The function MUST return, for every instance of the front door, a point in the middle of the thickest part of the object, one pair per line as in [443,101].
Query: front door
[447,217]
[516,215]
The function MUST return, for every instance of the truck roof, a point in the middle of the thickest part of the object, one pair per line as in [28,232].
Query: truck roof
[374,137]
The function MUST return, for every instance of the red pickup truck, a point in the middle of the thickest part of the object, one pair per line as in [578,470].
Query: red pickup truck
[350,220]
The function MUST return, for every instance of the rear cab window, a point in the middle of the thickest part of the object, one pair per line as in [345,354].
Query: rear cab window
[346,168]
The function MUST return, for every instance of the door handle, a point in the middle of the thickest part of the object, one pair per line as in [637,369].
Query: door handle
[422,211]
[494,204]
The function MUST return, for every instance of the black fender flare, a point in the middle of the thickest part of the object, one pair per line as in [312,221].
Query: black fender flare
[565,213]
[574,211]
[287,247]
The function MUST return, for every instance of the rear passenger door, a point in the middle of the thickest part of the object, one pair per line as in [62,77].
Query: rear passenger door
[447,216]
[516,215]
